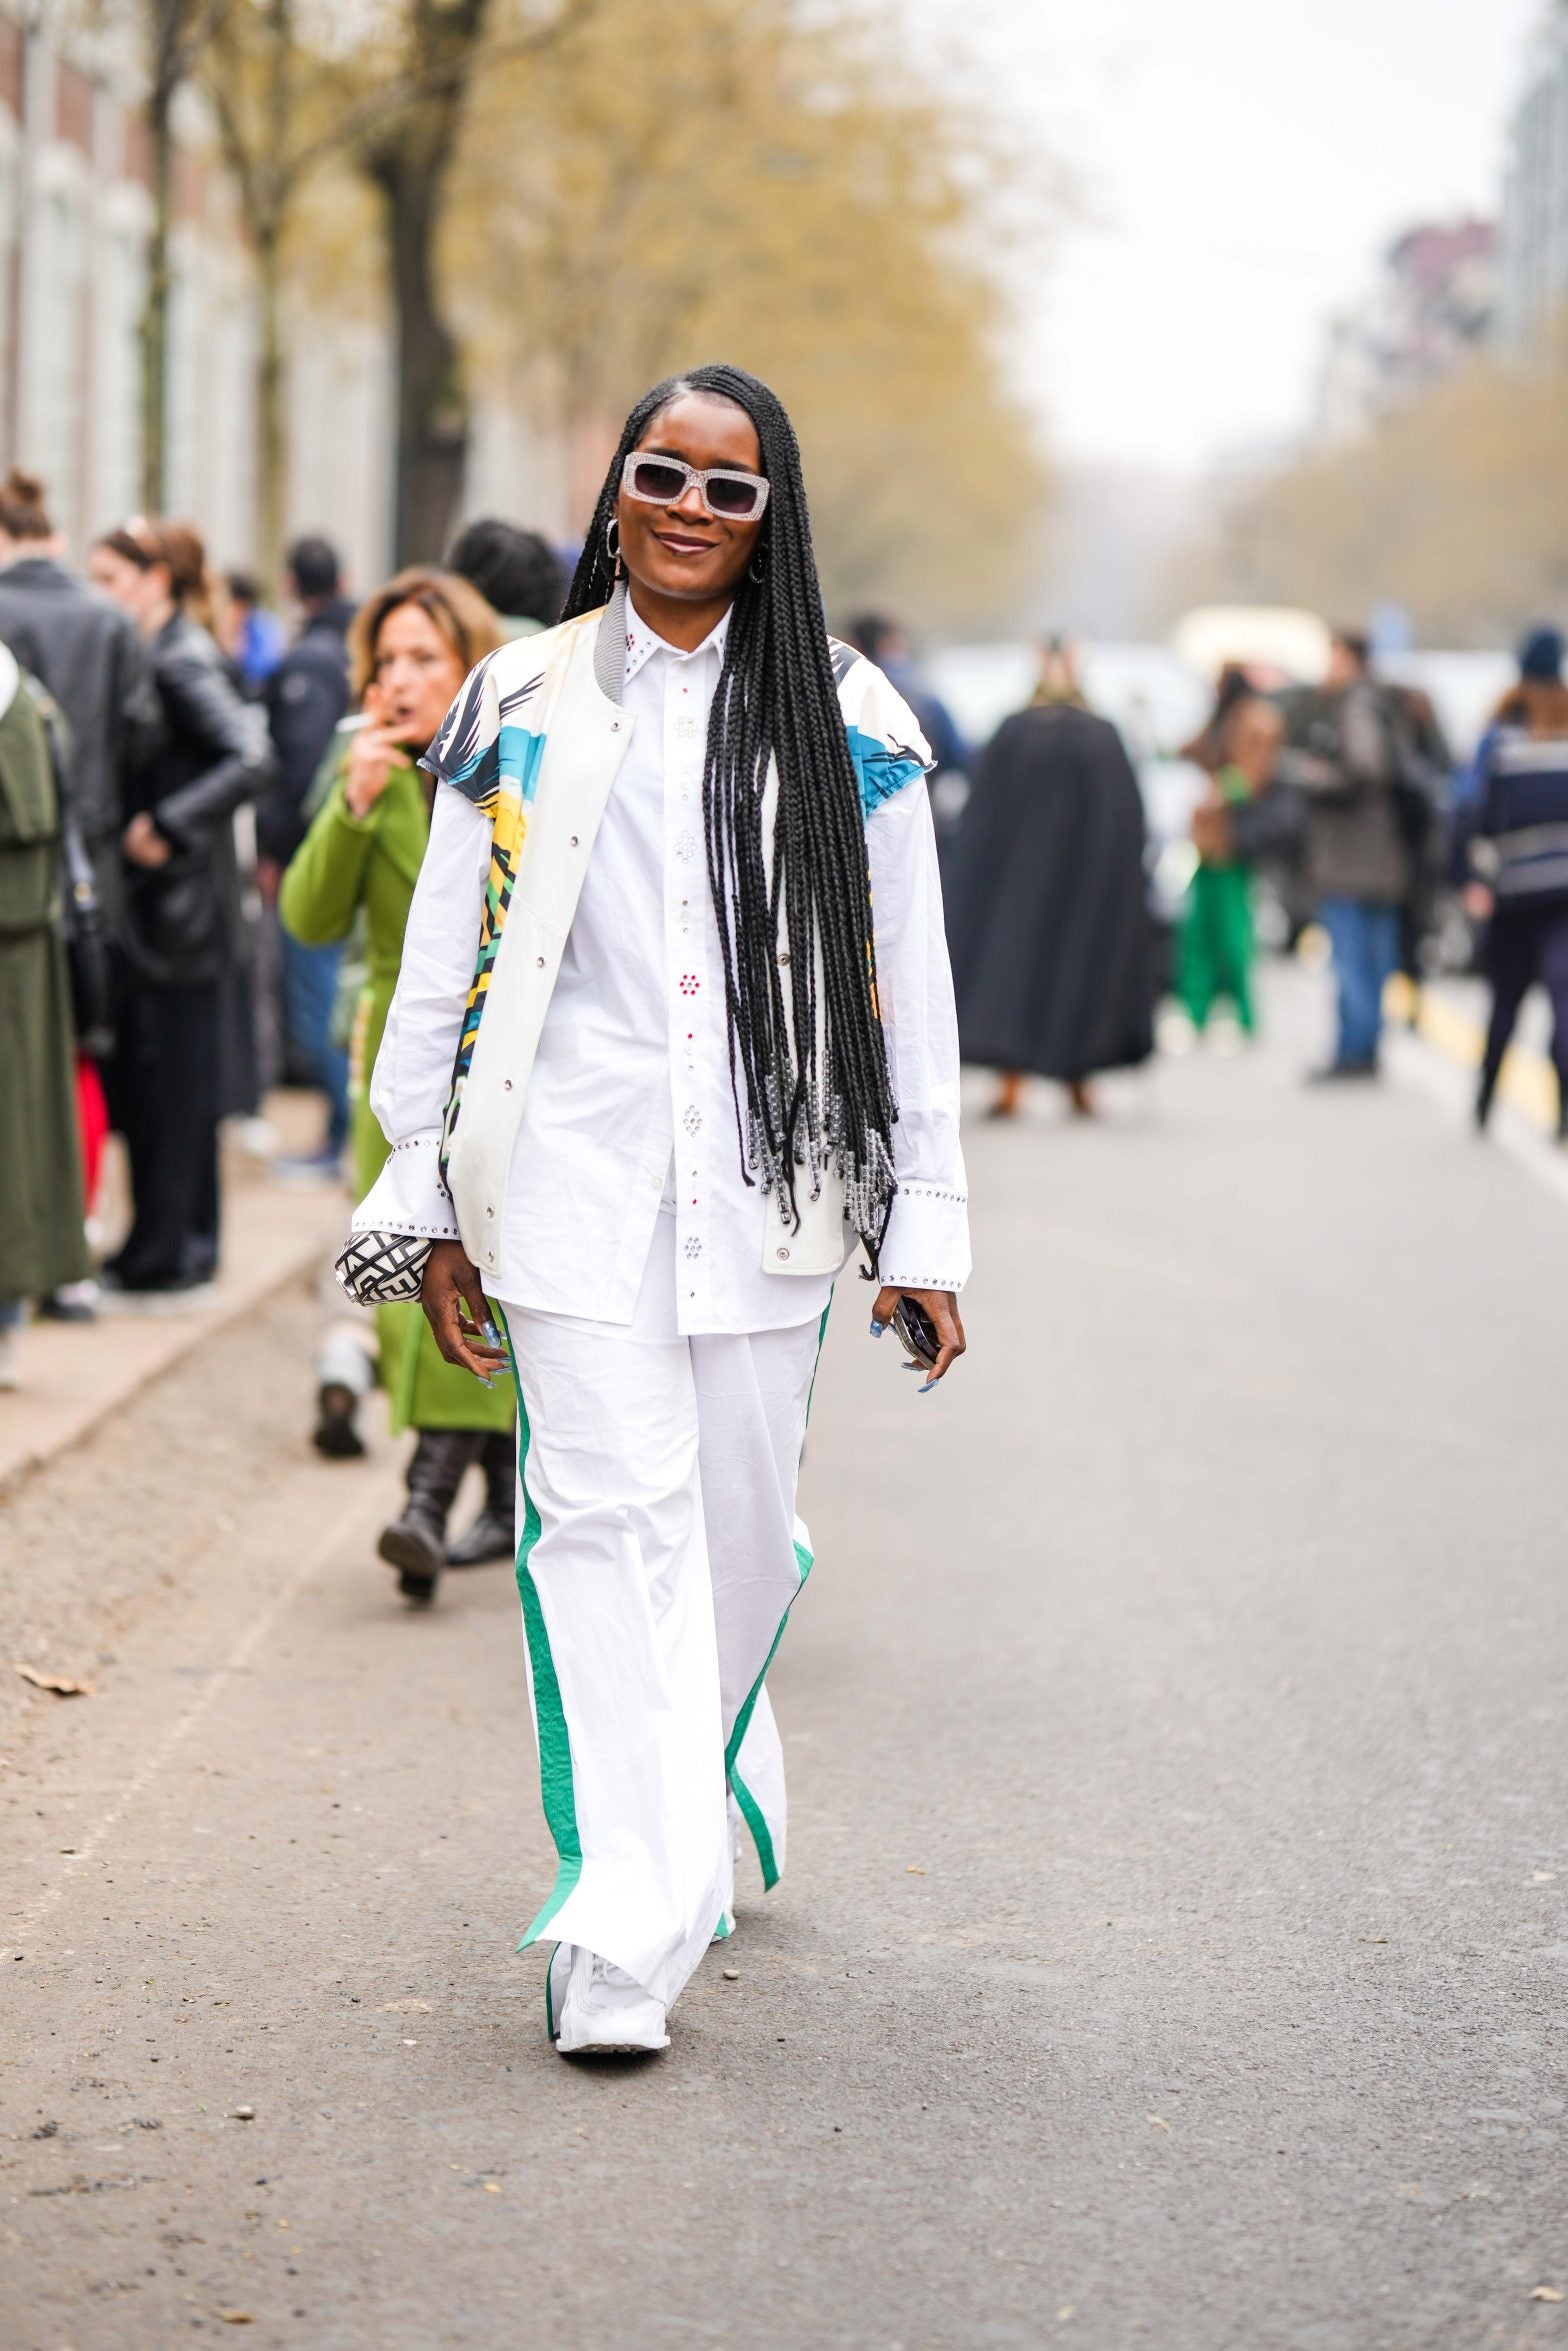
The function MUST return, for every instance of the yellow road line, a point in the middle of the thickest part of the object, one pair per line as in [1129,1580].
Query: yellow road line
[1528,1081]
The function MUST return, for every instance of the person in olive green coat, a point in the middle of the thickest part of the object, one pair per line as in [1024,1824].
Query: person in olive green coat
[42,1241]
[413,644]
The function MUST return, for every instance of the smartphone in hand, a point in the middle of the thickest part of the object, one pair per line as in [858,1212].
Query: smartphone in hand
[917,1333]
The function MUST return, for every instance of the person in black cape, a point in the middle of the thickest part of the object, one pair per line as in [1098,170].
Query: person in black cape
[1047,922]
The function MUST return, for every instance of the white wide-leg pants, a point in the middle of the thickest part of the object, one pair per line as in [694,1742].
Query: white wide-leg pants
[659,1554]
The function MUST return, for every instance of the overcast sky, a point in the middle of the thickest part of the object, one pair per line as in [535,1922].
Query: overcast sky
[1240,162]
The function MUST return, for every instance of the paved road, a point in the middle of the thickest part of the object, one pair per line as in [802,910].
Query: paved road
[1174,1950]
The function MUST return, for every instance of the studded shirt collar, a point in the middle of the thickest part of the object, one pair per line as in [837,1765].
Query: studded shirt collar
[642,642]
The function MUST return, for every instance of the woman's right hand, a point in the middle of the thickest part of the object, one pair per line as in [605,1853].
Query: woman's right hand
[458,1312]
[373,753]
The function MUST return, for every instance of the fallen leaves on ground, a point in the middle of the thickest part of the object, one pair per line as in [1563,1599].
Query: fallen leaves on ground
[63,1685]
[1545,2294]
[1159,2122]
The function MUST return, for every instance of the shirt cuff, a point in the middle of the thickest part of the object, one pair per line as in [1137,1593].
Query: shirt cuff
[927,1244]
[410,1194]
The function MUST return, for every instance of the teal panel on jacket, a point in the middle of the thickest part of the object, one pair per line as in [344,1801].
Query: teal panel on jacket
[881,769]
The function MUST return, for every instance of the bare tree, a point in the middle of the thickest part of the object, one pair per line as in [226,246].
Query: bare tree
[255,84]
[285,108]
[408,162]
[175,34]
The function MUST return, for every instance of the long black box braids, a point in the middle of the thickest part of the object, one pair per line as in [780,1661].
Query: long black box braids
[777,700]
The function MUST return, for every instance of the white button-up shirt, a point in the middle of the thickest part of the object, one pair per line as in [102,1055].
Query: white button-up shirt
[635,1031]
[629,1110]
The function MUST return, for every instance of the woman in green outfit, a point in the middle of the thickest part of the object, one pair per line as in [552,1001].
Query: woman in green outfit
[412,645]
[1237,750]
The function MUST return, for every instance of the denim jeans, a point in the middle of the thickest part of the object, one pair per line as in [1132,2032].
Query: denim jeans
[1364,939]
[310,983]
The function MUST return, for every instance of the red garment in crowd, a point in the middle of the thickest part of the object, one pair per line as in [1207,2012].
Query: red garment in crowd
[92,1125]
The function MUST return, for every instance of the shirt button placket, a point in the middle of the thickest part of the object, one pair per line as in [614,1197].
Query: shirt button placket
[688,981]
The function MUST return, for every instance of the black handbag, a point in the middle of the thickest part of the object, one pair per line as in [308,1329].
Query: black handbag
[87,954]
[86,949]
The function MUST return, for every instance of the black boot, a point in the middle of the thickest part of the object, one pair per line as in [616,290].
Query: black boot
[1483,1099]
[493,1534]
[415,1544]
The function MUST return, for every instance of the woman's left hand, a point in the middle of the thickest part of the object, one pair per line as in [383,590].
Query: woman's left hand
[942,1306]
[143,844]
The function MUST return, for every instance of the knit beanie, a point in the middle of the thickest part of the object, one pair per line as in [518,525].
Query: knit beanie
[1541,654]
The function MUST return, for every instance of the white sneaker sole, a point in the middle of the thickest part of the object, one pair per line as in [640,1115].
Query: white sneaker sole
[556,1976]
[611,2042]
[612,2048]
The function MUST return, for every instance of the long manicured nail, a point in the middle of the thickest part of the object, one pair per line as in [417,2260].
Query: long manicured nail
[926,1390]
[877,1328]
[492,1334]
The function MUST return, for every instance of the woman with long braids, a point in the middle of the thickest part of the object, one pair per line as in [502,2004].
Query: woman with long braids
[649,1076]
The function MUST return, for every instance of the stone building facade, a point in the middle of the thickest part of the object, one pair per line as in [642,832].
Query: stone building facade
[74,215]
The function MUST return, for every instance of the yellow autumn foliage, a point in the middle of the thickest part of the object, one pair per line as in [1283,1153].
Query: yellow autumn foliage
[735,179]
[1455,507]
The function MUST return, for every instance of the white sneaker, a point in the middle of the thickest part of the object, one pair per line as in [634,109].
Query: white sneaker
[556,1976]
[257,1137]
[603,2012]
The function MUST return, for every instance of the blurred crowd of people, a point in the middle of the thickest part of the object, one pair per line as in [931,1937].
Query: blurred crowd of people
[210,829]
[1343,798]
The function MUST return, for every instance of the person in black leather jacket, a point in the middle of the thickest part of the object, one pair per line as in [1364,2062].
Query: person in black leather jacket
[88,655]
[180,929]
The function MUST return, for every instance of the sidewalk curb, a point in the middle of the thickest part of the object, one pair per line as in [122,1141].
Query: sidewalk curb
[300,1261]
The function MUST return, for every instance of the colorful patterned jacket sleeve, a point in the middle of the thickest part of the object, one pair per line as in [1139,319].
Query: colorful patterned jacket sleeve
[490,749]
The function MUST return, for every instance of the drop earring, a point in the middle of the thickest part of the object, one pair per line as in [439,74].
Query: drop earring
[612,543]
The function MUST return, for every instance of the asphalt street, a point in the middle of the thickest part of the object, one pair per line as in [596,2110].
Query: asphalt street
[1174,1947]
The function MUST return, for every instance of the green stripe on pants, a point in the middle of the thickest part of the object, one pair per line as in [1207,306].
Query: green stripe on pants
[555,1747]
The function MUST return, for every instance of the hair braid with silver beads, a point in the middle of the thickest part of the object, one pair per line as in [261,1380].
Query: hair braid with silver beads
[777,701]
